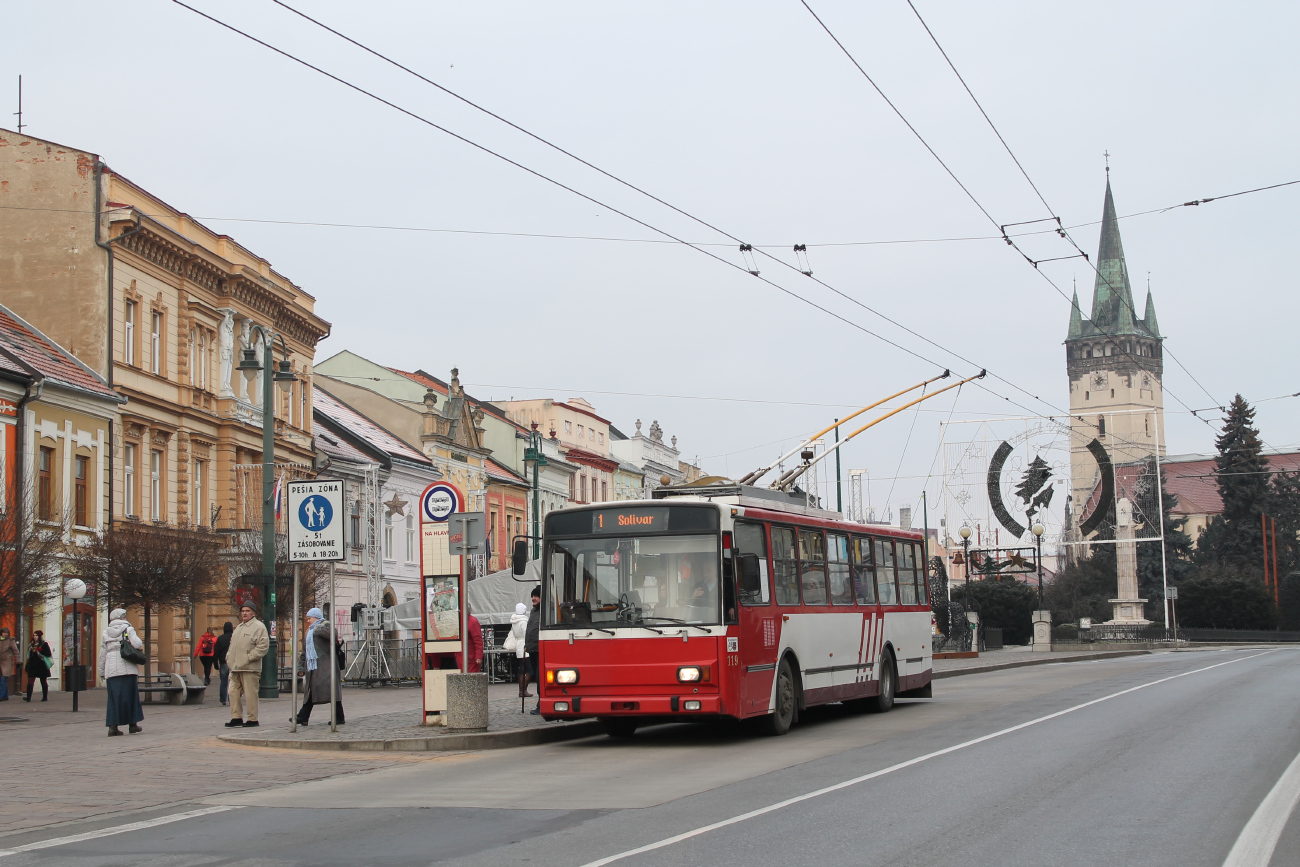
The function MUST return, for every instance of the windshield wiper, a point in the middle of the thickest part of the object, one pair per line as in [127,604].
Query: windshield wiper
[682,622]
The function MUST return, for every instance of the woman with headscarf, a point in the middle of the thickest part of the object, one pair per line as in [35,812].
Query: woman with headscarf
[38,666]
[121,676]
[518,634]
[316,668]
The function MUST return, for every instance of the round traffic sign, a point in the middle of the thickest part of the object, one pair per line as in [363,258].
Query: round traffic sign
[440,501]
[315,513]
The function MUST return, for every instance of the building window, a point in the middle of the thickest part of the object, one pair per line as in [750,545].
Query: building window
[602,438]
[604,490]
[579,431]
[354,524]
[410,538]
[1146,422]
[591,433]
[571,494]
[155,485]
[128,334]
[199,516]
[582,490]
[128,470]
[45,486]
[1101,425]
[82,473]
[388,535]
[568,427]
[155,343]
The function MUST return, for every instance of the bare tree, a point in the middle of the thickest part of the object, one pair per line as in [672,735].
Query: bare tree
[243,557]
[30,556]
[154,567]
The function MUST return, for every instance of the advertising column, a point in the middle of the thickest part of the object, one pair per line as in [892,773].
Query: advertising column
[441,594]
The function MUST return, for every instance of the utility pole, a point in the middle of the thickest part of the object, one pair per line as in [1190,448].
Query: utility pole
[839,484]
[19,112]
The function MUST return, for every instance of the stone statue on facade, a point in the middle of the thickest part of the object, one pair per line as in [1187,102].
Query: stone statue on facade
[656,432]
[226,351]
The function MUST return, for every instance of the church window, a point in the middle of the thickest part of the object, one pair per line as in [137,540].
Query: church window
[1112,392]
[1146,422]
[1101,425]
[1085,394]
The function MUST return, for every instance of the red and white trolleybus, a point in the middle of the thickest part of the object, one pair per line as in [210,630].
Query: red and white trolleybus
[727,601]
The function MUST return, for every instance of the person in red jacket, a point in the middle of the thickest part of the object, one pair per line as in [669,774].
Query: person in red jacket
[474,633]
[207,652]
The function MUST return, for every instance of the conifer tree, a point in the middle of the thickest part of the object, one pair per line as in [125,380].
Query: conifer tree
[1235,538]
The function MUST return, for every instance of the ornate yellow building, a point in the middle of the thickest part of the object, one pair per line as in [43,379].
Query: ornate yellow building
[161,307]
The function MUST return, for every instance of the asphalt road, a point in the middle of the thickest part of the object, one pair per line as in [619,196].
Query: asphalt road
[1170,759]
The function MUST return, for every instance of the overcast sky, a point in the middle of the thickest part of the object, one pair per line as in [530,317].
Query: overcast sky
[747,116]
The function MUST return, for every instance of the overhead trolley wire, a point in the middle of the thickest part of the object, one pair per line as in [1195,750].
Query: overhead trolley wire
[1063,233]
[621,213]
[983,210]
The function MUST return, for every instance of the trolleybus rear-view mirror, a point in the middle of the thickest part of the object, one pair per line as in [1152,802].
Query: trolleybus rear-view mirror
[519,557]
[751,580]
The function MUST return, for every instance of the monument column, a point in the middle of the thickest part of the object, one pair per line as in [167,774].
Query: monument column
[1128,608]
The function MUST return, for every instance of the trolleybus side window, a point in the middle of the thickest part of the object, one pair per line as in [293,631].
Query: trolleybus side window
[864,574]
[750,539]
[906,573]
[922,576]
[885,571]
[812,565]
[785,565]
[837,556]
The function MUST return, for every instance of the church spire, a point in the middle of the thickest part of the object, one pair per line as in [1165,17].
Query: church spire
[1076,319]
[1149,320]
[1112,297]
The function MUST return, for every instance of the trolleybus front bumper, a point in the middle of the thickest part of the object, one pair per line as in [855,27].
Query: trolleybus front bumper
[577,706]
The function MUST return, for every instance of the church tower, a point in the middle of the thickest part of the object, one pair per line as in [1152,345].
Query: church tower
[1115,362]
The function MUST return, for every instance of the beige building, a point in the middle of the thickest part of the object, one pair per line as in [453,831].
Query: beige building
[584,439]
[161,307]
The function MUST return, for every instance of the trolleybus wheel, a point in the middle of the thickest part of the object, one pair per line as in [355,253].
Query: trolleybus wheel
[884,700]
[618,727]
[779,720]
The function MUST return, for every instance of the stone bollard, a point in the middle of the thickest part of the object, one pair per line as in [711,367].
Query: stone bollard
[467,702]
[1042,631]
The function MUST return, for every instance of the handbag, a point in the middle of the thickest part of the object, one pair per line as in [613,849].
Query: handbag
[49,663]
[130,652]
[510,643]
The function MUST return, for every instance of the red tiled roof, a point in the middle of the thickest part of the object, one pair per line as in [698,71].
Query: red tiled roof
[600,462]
[442,388]
[47,358]
[426,381]
[581,410]
[499,471]
[1191,481]
[357,424]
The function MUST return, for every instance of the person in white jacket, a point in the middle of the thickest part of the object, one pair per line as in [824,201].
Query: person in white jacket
[121,676]
[518,633]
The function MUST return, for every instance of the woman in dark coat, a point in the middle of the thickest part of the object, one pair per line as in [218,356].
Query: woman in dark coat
[36,668]
[316,667]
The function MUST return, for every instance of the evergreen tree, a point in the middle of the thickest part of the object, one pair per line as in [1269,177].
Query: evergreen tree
[1234,539]
[1177,546]
[1284,508]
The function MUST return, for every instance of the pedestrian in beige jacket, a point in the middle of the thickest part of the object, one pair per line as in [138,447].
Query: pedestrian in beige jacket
[248,644]
[8,662]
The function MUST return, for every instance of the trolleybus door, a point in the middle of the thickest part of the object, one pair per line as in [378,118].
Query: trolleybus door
[757,644]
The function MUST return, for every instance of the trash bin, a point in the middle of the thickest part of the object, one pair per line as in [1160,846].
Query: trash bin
[74,677]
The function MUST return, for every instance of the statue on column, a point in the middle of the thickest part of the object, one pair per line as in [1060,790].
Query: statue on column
[1127,606]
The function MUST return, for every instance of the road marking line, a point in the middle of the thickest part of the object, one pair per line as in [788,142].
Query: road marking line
[1254,848]
[668,841]
[116,829]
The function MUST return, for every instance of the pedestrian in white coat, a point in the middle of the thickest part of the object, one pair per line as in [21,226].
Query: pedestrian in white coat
[518,633]
[121,676]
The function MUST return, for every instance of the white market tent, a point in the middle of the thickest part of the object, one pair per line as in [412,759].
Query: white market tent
[492,598]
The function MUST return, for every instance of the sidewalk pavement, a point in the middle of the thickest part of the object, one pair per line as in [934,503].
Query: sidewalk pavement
[1015,657]
[60,767]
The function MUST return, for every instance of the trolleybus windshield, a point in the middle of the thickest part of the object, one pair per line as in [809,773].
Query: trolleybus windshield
[632,580]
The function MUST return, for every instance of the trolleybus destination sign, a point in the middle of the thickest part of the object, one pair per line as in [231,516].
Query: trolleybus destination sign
[315,520]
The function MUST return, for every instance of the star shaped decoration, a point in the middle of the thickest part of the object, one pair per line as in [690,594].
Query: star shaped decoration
[396,506]
[1016,560]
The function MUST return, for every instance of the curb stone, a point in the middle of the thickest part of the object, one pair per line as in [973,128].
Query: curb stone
[999,666]
[522,737]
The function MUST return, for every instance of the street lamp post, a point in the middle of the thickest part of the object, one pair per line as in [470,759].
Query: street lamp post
[75,590]
[270,682]
[534,455]
[1038,538]
[964,532]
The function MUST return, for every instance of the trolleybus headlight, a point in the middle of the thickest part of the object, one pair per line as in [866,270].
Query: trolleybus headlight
[693,673]
[563,675]
[561,707]
[690,705]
